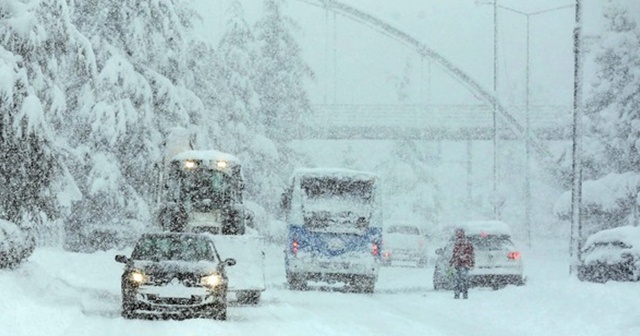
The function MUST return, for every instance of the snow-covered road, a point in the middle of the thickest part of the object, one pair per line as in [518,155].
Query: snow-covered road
[60,293]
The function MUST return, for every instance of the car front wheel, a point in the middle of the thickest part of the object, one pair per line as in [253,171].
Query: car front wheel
[296,282]
[218,311]
[248,297]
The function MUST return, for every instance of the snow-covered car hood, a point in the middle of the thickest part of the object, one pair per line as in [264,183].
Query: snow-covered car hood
[172,266]
[609,254]
[612,245]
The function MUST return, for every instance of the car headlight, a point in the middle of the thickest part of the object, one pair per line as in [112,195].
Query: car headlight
[212,280]
[137,277]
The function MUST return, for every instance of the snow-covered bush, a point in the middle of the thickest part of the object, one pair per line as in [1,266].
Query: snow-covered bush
[16,245]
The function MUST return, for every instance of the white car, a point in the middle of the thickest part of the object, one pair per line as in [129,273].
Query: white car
[612,254]
[404,242]
[498,262]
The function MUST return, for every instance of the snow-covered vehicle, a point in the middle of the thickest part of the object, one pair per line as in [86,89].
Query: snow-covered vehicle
[498,262]
[174,275]
[16,244]
[612,254]
[334,221]
[404,242]
[201,191]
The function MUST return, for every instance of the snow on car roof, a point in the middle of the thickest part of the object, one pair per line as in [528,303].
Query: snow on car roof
[492,227]
[175,235]
[629,235]
[206,155]
[334,172]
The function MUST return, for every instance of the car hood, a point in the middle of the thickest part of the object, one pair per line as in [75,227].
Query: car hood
[171,266]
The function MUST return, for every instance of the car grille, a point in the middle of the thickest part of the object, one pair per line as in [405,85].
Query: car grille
[186,279]
[194,300]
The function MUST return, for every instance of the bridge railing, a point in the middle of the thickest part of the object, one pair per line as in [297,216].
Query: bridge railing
[433,121]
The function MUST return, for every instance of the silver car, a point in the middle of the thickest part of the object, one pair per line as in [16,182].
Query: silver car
[498,262]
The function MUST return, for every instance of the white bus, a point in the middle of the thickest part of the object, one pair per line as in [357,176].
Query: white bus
[334,222]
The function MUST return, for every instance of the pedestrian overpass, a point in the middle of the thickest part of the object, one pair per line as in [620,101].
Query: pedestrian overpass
[421,122]
[488,119]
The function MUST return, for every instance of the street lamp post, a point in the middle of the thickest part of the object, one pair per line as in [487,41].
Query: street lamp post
[576,189]
[496,212]
[527,112]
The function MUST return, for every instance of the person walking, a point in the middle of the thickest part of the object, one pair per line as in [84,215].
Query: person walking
[462,260]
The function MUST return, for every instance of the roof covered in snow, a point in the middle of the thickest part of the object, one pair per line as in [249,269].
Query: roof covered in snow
[206,155]
[334,172]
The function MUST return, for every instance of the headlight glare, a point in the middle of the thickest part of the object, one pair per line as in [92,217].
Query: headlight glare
[212,280]
[137,277]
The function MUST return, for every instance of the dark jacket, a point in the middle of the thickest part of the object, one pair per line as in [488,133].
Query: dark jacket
[463,255]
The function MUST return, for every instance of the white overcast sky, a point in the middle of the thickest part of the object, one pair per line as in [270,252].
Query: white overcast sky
[368,64]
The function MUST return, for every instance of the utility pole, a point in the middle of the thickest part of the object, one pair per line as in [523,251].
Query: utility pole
[576,190]
[496,212]
[527,140]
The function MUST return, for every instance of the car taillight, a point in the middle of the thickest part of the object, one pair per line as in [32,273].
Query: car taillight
[513,255]
[294,247]
[375,249]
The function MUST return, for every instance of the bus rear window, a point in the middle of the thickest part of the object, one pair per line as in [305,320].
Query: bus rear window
[331,187]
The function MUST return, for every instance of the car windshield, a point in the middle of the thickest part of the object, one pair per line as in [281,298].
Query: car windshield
[173,248]
[490,242]
[404,229]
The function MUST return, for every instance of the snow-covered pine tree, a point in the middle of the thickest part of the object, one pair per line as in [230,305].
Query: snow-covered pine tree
[612,132]
[282,73]
[237,50]
[45,60]
[140,93]
[284,103]
[614,104]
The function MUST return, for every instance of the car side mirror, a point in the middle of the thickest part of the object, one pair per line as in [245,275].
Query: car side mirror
[122,259]
[439,251]
[249,218]
[229,261]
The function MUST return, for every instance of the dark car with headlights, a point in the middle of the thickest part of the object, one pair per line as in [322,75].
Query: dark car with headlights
[174,275]
[612,254]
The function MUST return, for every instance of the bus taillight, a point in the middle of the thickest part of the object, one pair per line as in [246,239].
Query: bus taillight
[294,247]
